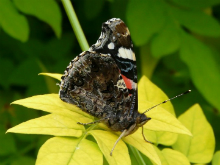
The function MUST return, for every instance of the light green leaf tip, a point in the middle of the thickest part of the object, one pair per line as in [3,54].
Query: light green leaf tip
[51,124]
[53,104]
[200,147]
[53,75]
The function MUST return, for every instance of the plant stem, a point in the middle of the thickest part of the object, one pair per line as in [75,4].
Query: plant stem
[137,155]
[75,25]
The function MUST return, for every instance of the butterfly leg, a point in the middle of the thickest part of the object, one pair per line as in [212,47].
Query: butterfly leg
[144,136]
[96,121]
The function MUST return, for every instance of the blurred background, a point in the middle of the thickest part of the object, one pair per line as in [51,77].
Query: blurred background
[177,45]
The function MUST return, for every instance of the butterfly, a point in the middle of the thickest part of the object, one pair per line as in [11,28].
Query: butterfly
[103,81]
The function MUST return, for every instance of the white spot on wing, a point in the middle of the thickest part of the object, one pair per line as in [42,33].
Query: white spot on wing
[126,53]
[111,46]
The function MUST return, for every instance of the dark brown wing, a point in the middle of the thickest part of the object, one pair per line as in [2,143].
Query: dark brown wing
[93,82]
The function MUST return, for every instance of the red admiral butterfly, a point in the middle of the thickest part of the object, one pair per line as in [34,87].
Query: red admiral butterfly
[103,81]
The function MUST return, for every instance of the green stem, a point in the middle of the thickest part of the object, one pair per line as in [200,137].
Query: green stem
[75,25]
[137,155]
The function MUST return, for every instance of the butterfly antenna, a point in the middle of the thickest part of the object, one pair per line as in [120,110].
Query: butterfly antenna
[167,100]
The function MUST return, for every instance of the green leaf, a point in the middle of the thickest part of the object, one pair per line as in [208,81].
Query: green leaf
[51,83]
[197,21]
[167,40]
[6,68]
[53,75]
[106,142]
[216,158]
[92,12]
[200,147]
[145,18]
[51,124]
[23,160]
[12,22]
[47,11]
[170,157]
[148,62]
[69,151]
[137,141]
[7,143]
[53,104]
[200,60]
[196,3]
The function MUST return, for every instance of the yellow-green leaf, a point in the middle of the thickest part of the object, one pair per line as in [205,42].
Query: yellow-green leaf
[160,137]
[167,40]
[162,119]
[12,22]
[151,17]
[69,151]
[147,91]
[171,157]
[51,124]
[106,142]
[47,11]
[200,147]
[216,158]
[53,104]
[137,141]
[196,21]
[53,75]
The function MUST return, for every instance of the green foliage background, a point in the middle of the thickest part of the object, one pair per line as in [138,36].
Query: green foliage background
[176,43]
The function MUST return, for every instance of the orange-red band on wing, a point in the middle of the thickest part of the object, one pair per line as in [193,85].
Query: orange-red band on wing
[127,81]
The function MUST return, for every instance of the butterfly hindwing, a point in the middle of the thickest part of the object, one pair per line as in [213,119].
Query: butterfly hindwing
[93,82]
